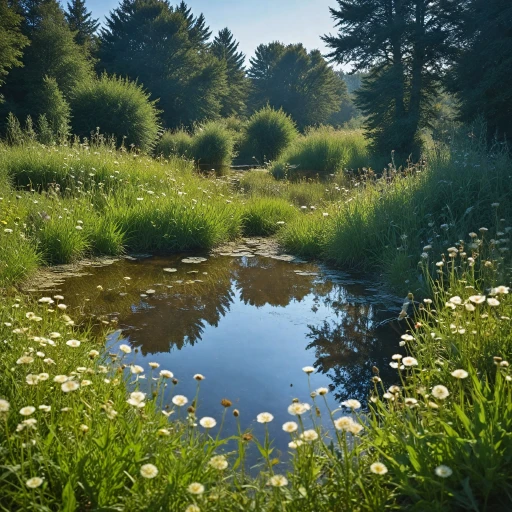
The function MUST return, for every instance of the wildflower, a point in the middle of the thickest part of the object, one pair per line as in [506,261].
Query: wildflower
[264,417]
[25,360]
[34,482]
[166,374]
[148,471]
[290,426]
[477,299]
[456,300]
[179,400]
[136,369]
[218,462]
[354,428]
[469,307]
[199,377]
[352,404]
[32,380]
[195,488]
[62,307]
[440,392]
[308,369]
[493,302]
[125,348]
[154,365]
[309,435]
[396,357]
[295,444]
[73,343]
[378,468]
[28,410]
[70,385]
[192,508]
[43,376]
[163,432]
[343,423]
[407,337]
[93,354]
[459,374]
[297,408]
[45,408]
[500,290]
[277,481]
[322,391]
[207,422]
[409,361]
[137,399]
[236,413]
[85,383]
[4,405]
[410,402]
[443,471]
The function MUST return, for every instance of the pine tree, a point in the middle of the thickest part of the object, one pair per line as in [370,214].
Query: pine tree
[225,48]
[482,75]
[52,52]
[300,83]
[82,23]
[405,45]
[149,41]
[12,41]
[199,32]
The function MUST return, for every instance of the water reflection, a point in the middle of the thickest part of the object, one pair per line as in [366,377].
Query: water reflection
[248,324]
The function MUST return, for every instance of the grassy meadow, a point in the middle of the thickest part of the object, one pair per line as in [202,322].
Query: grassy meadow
[81,430]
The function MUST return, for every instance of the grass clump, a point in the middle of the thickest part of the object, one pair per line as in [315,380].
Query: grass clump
[213,145]
[118,108]
[264,216]
[269,132]
[174,143]
[323,151]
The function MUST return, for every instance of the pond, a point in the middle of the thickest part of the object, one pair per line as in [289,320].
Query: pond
[248,323]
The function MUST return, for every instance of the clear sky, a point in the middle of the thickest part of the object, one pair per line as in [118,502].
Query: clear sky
[256,21]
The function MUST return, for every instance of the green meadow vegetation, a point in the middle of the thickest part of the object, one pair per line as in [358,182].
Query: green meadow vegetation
[120,140]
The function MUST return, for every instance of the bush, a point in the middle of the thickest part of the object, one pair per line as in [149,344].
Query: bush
[213,145]
[174,143]
[269,133]
[119,108]
[323,151]
[264,216]
[52,111]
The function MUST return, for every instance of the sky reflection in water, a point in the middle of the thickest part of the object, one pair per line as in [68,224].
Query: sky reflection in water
[249,325]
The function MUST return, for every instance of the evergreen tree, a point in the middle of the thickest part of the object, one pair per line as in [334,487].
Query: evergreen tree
[12,41]
[300,83]
[82,23]
[405,45]
[482,75]
[199,32]
[52,52]
[149,41]
[225,48]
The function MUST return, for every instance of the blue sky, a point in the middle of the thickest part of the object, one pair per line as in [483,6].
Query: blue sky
[257,21]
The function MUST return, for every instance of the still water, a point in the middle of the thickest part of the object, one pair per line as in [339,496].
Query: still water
[249,325]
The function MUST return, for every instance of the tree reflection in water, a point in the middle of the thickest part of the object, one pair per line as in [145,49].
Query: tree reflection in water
[350,343]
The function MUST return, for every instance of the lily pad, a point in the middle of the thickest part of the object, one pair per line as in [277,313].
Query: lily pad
[193,259]
[170,270]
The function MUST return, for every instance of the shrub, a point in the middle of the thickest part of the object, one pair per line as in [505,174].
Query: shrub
[213,145]
[52,110]
[264,216]
[174,143]
[323,151]
[119,108]
[269,132]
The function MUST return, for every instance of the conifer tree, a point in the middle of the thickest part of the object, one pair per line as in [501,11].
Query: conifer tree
[225,48]
[199,32]
[149,41]
[82,23]
[12,41]
[300,83]
[405,45]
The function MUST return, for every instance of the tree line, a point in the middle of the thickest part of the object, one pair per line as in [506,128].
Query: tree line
[404,55]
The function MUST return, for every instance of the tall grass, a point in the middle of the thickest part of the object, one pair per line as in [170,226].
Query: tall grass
[213,145]
[264,216]
[174,143]
[79,432]
[323,151]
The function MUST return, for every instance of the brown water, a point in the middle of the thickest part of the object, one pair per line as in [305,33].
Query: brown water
[249,325]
